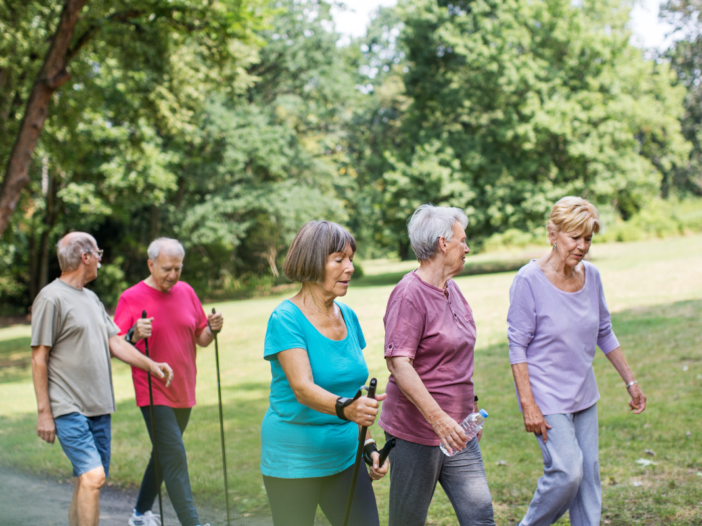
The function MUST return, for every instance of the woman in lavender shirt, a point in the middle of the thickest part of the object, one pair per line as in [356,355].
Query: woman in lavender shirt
[557,318]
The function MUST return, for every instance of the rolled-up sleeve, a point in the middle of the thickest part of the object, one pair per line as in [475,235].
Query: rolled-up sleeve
[521,319]
[404,328]
[606,339]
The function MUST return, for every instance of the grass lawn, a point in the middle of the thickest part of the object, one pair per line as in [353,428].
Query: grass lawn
[653,288]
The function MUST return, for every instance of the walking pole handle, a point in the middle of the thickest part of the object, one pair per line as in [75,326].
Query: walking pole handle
[371,388]
[146,340]
[214,311]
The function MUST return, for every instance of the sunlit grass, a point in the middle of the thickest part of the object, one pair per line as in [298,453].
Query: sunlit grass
[654,289]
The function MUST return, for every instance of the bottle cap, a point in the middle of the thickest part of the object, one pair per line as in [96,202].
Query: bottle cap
[484,413]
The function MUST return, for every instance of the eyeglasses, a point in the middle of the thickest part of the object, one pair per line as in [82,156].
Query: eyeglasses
[99,252]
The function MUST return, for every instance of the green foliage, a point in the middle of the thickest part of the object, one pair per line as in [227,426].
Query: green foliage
[228,124]
[511,105]
[514,238]
[111,283]
[685,57]
[659,218]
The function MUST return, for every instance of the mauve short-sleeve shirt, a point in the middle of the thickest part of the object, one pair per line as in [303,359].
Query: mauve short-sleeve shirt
[557,333]
[435,328]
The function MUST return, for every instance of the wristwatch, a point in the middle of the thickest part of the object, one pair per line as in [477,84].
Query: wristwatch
[342,402]
[129,334]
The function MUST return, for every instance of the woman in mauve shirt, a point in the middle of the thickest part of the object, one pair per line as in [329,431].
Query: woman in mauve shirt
[557,318]
[429,344]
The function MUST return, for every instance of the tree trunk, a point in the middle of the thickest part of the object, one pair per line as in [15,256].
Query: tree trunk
[155,229]
[53,74]
[33,266]
[49,222]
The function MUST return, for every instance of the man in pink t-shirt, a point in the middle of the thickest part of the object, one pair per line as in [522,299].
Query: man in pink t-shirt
[175,326]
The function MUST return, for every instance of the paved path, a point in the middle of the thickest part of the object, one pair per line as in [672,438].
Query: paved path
[27,500]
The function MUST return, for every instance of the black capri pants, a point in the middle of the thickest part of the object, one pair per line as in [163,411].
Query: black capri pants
[294,501]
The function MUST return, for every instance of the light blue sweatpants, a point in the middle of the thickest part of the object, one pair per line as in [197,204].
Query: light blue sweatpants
[571,480]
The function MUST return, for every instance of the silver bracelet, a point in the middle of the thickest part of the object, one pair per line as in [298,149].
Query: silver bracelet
[633,382]
[369,441]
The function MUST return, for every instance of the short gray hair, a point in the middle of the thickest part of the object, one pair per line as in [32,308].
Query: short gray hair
[71,247]
[428,224]
[168,245]
[313,244]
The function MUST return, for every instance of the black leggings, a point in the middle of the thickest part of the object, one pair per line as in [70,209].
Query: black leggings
[170,425]
[294,501]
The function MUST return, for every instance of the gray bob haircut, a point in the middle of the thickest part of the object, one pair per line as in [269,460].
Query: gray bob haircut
[71,247]
[428,224]
[167,245]
[313,244]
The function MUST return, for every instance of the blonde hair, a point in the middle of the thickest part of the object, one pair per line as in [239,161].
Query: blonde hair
[574,214]
[313,244]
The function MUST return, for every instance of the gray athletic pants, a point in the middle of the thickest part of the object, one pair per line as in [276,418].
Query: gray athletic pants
[414,471]
[571,480]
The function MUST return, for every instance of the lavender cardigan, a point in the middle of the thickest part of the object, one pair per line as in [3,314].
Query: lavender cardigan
[555,333]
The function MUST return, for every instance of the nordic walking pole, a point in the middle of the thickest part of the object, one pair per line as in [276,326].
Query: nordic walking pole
[153,428]
[221,423]
[359,456]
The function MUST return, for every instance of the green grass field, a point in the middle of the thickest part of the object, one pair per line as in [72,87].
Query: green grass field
[654,290]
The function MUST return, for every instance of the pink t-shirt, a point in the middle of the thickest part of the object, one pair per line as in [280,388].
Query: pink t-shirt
[178,319]
[435,328]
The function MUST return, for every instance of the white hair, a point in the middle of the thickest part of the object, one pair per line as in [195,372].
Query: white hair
[428,224]
[168,245]
[71,247]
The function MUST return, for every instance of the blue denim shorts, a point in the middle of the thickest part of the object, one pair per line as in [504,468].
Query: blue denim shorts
[85,440]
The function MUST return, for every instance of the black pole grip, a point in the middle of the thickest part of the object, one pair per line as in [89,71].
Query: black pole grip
[371,388]
[210,326]
[386,451]
[143,314]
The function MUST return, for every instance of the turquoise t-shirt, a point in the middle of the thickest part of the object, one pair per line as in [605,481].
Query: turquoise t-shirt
[297,441]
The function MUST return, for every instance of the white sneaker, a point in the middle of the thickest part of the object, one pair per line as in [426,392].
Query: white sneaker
[147,519]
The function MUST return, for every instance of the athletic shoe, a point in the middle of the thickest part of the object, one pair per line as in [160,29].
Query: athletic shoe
[147,519]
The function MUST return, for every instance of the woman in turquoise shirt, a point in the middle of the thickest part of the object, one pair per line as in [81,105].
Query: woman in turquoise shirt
[315,348]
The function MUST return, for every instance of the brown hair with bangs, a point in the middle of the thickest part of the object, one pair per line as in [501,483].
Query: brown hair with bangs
[574,214]
[313,244]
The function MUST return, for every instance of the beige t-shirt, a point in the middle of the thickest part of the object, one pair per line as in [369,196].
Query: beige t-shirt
[73,322]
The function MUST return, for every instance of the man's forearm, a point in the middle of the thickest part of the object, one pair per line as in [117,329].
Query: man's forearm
[204,338]
[40,377]
[121,350]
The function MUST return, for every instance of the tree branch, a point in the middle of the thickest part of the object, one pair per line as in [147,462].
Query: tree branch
[51,76]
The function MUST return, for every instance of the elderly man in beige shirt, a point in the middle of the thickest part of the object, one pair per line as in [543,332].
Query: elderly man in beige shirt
[73,340]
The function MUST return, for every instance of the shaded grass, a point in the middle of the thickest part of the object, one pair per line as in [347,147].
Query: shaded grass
[654,290]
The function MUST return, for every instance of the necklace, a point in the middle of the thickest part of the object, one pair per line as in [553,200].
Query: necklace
[561,275]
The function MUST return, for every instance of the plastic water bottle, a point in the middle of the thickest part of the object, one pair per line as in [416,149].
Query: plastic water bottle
[471,425]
